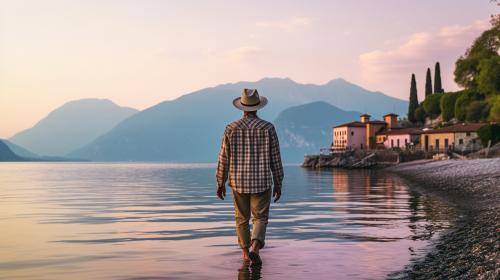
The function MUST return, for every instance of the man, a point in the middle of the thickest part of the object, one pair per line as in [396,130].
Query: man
[250,157]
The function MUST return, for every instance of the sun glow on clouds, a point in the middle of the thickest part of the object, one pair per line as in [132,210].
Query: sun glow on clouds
[419,51]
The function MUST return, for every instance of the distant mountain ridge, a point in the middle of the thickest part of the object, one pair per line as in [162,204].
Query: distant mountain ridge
[188,129]
[337,92]
[20,151]
[305,129]
[6,154]
[71,126]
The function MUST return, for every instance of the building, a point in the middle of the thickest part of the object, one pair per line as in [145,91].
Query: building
[349,136]
[402,138]
[372,128]
[360,134]
[461,137]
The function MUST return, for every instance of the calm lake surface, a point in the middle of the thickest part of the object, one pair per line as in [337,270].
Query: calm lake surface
[163,221]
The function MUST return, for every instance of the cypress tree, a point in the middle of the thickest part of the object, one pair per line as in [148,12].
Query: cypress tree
[437,79]
[413,104]
[428,83]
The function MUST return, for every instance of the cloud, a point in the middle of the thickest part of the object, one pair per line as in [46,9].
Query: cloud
[288,25]
[244,54]
[419,51]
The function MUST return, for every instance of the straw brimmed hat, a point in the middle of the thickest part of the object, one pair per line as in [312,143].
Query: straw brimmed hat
[250,100]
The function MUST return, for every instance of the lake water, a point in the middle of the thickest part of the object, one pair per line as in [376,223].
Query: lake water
[163,221]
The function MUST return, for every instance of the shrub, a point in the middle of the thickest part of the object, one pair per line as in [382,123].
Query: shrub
[431,104]
[447,105]
[489,132]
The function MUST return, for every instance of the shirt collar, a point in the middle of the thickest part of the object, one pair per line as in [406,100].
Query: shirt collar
[250,117]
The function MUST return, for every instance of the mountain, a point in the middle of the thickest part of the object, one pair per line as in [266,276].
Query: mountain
[305,129]
[20,151]
[71,126]
[338,92]
[189,128]
[6,153]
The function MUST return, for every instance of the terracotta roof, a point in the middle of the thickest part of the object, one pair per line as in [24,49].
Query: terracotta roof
[365,115]
[461,127]
[360,124]
[351,124]
[377,122]
[401,131]
[391,114]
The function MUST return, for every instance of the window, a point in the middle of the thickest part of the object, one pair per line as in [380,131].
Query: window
[398,143]
[467,134]
[361,146]
[437,144]
[461,141]
[352,133]
[406,142]
[392,143]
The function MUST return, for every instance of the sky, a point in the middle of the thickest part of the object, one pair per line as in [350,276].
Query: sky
[140,53]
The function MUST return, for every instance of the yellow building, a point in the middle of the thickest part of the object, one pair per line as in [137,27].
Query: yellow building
[453,137]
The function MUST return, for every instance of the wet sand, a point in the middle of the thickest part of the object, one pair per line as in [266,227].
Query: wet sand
[471,248]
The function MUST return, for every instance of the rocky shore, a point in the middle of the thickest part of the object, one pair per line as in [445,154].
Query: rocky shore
[471,249]
[361,159]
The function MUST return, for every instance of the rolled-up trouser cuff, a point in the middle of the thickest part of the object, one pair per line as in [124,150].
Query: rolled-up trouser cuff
[259,232]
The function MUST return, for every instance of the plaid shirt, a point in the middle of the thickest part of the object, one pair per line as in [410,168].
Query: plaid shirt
[249,153]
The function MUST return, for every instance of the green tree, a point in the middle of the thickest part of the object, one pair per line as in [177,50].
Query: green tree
[495,108]
[432,105]
[488,80]
[489,132]
[464,99]
[413,104]
[420,114]
[486,46]
[428,83]
[447,105]
[437,79]
[477,111]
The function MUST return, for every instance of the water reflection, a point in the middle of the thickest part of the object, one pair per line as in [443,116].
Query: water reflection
[162,221]
[249,272]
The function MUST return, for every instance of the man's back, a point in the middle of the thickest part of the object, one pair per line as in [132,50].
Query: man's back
[250,156]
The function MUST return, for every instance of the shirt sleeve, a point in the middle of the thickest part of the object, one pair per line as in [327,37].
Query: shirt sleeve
[275,156]
[223,161]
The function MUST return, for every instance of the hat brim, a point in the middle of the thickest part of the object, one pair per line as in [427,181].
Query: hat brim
[238,105]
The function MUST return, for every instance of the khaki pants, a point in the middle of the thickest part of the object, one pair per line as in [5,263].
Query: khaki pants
[258,206]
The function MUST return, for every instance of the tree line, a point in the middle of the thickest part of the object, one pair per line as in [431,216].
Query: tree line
[477,71]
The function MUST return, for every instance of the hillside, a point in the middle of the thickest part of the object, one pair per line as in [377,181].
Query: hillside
[71,126]
[305,129]
[20,151]
[6,153]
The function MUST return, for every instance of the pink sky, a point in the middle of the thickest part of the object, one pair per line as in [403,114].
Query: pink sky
[139,53]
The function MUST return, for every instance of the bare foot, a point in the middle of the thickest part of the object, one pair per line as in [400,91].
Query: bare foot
[256,246]
[245,255]
[254,253]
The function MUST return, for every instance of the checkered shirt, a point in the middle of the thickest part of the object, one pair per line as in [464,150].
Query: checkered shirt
[250,156]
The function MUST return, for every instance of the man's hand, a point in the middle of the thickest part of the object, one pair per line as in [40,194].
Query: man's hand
[221,192]
[277,193]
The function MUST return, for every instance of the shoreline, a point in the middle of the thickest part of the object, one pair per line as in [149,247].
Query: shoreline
[470,249]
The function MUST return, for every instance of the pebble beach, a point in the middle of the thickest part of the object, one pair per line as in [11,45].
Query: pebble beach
[471,248]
